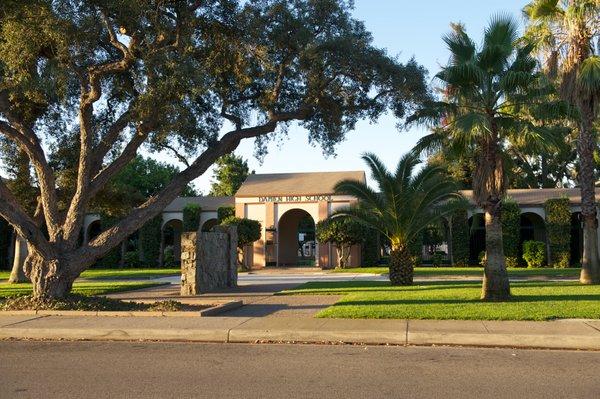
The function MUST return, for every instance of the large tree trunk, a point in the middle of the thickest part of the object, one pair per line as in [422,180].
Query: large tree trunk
[50,279]
[496,286]
[17,275]
[590,264]
[489,188]
[401,266]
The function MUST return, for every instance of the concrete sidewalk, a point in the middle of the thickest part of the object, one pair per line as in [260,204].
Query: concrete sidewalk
[566,334]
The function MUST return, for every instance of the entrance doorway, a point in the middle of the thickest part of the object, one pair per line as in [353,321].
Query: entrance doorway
[296,244]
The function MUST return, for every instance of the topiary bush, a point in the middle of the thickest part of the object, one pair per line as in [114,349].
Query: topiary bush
[371,248]
[558,230]
[511,231]
[343,232]
[534,253]
[149,241]
[225,212]
[459,229]
[248,230]
[191,217]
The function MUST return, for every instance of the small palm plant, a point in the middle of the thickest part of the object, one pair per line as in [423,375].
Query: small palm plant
[407,203]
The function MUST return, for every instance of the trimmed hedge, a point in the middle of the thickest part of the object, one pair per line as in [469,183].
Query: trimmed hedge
[558,229]
[225,212]
[534,253]
[511,231]
[459,225]
[149,241]
[248,230]
[191,217]
[371,248]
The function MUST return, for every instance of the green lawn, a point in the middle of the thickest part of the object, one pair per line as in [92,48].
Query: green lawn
[456,300]
[118,274]
[469,271]
[89,289]
[125,274]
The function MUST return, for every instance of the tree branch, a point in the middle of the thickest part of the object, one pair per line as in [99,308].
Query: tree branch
[29,142]
[23,224]
[111,237]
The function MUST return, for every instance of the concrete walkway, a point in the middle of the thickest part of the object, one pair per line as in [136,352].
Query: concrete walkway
[567,334]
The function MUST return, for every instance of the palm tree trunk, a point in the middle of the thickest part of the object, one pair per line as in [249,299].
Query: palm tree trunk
[590,264]
[401,266]
[496,286]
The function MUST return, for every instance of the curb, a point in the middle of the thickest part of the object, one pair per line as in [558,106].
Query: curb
[309,337]
[211,311]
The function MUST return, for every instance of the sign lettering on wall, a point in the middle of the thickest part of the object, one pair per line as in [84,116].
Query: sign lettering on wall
[296,198]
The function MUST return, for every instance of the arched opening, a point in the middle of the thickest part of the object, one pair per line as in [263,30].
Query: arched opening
[296,239]
[209,224]
[171,248]
[477,237]
[576,238]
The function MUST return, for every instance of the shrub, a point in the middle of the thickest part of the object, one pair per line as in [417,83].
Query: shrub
[225,212]
[459,229]
[248,230]
[191,217]
[534,253]
[343,232]
[438,258]
[558,228]
[132,259]
[169,257]
[511,231]
[371,248]
[149,241]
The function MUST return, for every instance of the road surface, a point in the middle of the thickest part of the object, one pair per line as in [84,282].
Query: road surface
[183,370]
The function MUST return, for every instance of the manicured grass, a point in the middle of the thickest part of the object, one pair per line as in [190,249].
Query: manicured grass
[128,274]
[88,289]
[456,300]
[118,274]
[469,271]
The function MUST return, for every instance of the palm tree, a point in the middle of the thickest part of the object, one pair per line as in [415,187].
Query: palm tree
[406,204]
[492,95]
[567,34]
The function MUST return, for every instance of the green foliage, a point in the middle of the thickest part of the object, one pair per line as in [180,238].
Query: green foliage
[230,172]
[139,180]
[494,94]
[438,258]
[248,230]
[534,253]
[371,248]
[558,230]
[149,241]
[225,212]
[169,257]
[132,259]
[113,257]
[191,217]
[459,224]
[511,231]
[341,231]
[407,202]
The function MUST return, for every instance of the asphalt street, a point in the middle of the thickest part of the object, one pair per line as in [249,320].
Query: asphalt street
[184,370]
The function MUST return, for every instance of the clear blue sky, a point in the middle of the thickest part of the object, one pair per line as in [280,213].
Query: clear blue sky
[406,28]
